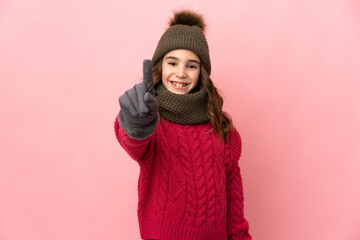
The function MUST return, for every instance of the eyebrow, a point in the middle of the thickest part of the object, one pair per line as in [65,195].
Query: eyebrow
[175,58]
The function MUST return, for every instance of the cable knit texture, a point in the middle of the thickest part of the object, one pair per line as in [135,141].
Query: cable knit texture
[190,186]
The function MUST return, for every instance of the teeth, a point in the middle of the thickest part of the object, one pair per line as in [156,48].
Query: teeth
[179,84]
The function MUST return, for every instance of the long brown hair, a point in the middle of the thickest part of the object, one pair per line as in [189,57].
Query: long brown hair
[220,120]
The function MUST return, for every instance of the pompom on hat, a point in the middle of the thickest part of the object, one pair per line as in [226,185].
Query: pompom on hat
[186,31]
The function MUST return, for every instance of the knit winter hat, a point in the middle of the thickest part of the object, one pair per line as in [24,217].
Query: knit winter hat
[186,31]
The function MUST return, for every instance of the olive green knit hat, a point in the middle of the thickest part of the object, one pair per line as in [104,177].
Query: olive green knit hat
[186,31]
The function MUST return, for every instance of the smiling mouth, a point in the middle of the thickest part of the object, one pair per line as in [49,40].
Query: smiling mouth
[179,84]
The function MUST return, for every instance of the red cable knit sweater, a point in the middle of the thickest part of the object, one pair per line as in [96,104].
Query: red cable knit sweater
[190,185]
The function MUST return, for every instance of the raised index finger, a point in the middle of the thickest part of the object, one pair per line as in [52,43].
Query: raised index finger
[148,76]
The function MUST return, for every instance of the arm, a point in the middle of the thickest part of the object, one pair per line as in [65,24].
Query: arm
[237,225]
[136,148]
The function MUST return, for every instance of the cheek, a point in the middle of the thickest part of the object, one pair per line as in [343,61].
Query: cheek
[165,77]
[196,77]
[164,72]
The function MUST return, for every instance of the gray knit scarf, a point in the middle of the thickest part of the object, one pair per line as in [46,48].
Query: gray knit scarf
[190,108]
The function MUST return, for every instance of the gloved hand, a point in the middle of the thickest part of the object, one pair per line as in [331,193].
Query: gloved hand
[139,112]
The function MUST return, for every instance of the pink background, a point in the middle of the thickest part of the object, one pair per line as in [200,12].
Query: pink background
[290,74]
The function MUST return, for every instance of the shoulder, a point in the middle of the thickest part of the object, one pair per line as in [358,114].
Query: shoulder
[235,142]
[234,134]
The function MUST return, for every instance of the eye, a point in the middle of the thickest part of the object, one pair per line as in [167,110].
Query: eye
[172,63]
[192,66]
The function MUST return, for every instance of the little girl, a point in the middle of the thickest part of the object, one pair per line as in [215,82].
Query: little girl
[173,125]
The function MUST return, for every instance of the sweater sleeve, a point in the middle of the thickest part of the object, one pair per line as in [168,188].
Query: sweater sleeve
[237,225]
[138,149]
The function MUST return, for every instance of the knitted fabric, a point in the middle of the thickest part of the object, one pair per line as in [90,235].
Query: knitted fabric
[190,186]
[182,108]
[183,37]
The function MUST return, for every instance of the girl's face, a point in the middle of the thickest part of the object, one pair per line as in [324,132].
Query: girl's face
[180,71]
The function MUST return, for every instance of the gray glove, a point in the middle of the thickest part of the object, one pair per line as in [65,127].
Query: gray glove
[139,114]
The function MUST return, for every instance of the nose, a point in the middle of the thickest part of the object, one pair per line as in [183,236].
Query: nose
[181,73]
